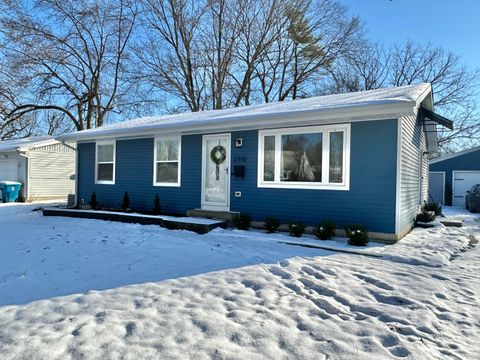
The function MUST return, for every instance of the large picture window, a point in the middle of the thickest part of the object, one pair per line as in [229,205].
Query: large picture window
[314,157]
[167,161]
[105,162]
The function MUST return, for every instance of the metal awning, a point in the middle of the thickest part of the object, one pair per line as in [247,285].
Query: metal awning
[439,119]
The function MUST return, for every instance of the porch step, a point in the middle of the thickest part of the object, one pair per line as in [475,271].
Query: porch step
[211,214]
[198,225]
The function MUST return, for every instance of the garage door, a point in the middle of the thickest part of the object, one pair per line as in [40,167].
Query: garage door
[462,182]
[8,170]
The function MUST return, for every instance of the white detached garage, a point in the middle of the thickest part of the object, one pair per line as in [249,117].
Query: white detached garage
[45,167]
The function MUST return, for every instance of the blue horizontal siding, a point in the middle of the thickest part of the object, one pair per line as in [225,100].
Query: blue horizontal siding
[469,161]
[370,200]
[134,173]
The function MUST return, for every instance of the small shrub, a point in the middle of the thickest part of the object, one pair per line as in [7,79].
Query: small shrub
[271,224]
[157,208]
[125,202]
[435,207]
[325,230]
[242,221]
[357,235]
[425,216]
[296,228]
[93,201]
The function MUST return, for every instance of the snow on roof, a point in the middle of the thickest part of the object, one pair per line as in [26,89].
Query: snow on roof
[388,96]
[454,155]
[26,143]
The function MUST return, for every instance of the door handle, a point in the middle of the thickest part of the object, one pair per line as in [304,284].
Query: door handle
[226,170]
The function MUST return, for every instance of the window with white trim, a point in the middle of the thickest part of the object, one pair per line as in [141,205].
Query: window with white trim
[315,157]
[167,162]
[105,162]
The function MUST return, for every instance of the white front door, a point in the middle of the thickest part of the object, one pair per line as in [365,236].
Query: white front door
[216,172]
[463,182]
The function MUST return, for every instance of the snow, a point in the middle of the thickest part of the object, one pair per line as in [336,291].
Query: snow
[25,143]
[184,219]
[79,288]
[8,182]
[385,96]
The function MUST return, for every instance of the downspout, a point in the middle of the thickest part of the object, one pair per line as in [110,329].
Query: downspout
[75,202]
[27,170]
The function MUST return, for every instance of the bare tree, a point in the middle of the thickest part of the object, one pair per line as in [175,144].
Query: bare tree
[70,55]
[366,68]
[314,35]
[170,56]
[222,53]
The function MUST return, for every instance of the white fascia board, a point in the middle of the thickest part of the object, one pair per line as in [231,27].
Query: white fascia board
[259,121]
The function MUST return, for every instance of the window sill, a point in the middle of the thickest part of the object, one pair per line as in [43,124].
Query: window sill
[167,184]
[103,182]
[339,187]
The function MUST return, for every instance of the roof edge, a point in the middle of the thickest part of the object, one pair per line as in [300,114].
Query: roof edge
[454,155]
[301,118]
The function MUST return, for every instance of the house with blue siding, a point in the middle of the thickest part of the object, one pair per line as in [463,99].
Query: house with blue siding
[354,158]
[452,175]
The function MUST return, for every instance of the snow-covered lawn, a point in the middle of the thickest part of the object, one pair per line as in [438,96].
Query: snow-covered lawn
[75,288]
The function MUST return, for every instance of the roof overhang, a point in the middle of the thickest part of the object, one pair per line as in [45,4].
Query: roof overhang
[258,121]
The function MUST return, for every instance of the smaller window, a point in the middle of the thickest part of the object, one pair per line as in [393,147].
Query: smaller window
[167,161]
[105,163]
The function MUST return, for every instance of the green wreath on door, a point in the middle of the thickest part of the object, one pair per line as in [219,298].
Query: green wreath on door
[218,156]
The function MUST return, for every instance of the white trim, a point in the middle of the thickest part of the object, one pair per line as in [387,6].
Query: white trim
[179,161]
[326,130]
[443,186]
[398,198]
[204,204]
[105,182]
[451,156]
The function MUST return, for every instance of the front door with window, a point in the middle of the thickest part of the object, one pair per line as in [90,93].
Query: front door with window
[215,172]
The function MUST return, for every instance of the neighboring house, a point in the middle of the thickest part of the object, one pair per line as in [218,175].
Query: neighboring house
[44,166]
[452,175]
[355,158]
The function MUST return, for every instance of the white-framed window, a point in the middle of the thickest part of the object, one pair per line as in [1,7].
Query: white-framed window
[311,157]
[105,162]
[167,161]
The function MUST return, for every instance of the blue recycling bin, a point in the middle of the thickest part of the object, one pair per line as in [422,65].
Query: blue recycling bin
[10,190]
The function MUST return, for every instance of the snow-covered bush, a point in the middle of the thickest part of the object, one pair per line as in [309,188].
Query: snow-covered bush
[242,221]
[435,207]
[157,208]
[296,228]
[425,216]
[271,224]
[357,235]
[325,230]
[93,201]
[126,202]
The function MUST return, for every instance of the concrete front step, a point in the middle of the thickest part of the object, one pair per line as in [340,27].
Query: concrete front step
[211,214]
